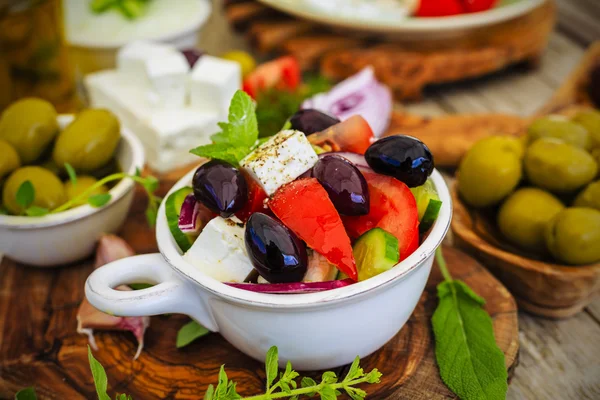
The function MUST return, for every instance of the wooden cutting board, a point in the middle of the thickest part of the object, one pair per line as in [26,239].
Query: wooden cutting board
[39,345]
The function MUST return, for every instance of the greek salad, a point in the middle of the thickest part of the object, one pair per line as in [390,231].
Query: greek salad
[317,206]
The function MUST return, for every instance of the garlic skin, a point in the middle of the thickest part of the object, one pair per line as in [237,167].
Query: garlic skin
[110,248]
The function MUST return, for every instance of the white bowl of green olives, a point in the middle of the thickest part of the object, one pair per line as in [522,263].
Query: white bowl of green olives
[46,222]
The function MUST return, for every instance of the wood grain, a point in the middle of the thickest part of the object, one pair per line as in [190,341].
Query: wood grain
[40,347]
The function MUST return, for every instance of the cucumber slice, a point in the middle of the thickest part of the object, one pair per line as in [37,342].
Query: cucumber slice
[431,214]
[172,210]
[375,252]
[428,204]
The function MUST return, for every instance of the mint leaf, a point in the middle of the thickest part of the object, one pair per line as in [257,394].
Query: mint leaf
[210,392]
[241,128]
[99,375]
[140,286]
[222,151]
[329,377]
[35,211]
[26,394]
[99,200]
[328,393]
[355,370]
[25,194]
[307,382]
[71,173]
[190,332]
[271,366]
[470,362]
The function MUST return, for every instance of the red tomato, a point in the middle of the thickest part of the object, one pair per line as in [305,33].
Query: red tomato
[439,8]
[472,6]
[353,135]
[393,208]
[256,198]
[319,224]
[281,73]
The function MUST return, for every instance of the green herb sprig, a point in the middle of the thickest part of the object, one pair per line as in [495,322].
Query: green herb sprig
[190,332]
[130,9]
[25,195]
[238,136]
[287,387]
[471,363]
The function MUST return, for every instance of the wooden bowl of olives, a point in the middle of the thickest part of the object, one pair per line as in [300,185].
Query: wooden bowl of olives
[529,207]
[61,181]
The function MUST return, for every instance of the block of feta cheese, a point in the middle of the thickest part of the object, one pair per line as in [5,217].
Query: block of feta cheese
[213,83]
[169,80]
[220,251]
[133,57]
[167,134]
[161,68]
[280,160]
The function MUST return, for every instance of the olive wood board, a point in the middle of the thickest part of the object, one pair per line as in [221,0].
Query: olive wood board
[39,345]
[405,64]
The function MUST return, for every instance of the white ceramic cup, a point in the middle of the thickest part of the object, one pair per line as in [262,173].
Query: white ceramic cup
[65,237]
[314,330]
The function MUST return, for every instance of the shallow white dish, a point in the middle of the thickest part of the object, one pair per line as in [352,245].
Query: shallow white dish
[94,39]
[65,237]
[392,23]
[314,331]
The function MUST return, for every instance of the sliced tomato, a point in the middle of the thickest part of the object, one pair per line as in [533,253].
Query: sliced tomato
[439,8]
[393,208]
[472,6]
[304,206]
[256,199]
[353,135]
[281,73]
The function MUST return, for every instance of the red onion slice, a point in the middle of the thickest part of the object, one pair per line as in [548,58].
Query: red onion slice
[189,217]
[360,94]
[291,288]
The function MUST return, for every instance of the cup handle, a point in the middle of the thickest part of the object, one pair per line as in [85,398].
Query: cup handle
[169,295]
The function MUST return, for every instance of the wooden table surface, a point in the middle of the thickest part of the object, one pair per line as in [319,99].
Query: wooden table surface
[558,359]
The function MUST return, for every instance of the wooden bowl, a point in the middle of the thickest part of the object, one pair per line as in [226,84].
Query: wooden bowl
[539,286]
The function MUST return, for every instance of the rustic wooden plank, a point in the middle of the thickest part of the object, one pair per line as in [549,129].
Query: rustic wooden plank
[558,359]
[593,309]
[580,18]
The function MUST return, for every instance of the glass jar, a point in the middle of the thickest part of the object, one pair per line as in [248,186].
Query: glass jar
[33,55]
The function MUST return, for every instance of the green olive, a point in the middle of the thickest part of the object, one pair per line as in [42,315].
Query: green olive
[561,128]
[590,120]
[523,217]
[573,236]
[82,184]
[89,141]
[589,197]
[490,170]
[9,160]
[559,167]
[48,189]
[29,125]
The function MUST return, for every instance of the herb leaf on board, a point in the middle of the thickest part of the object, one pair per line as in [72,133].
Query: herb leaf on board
[471,363]
[26,394]
[99,375]
[99,200]
[190,332]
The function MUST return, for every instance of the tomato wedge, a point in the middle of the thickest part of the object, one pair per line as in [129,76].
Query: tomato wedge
[281,73]
[353,135]
[256,199]
[439,8]
[304,206]
[472,6]
[393,208]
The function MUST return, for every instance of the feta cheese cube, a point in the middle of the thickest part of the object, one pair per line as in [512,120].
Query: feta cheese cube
[167,135]
[169,79]
[220,252]
[213,83]
[280,160]
[132,58]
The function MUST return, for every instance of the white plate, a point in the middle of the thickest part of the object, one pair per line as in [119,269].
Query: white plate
[381,20]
